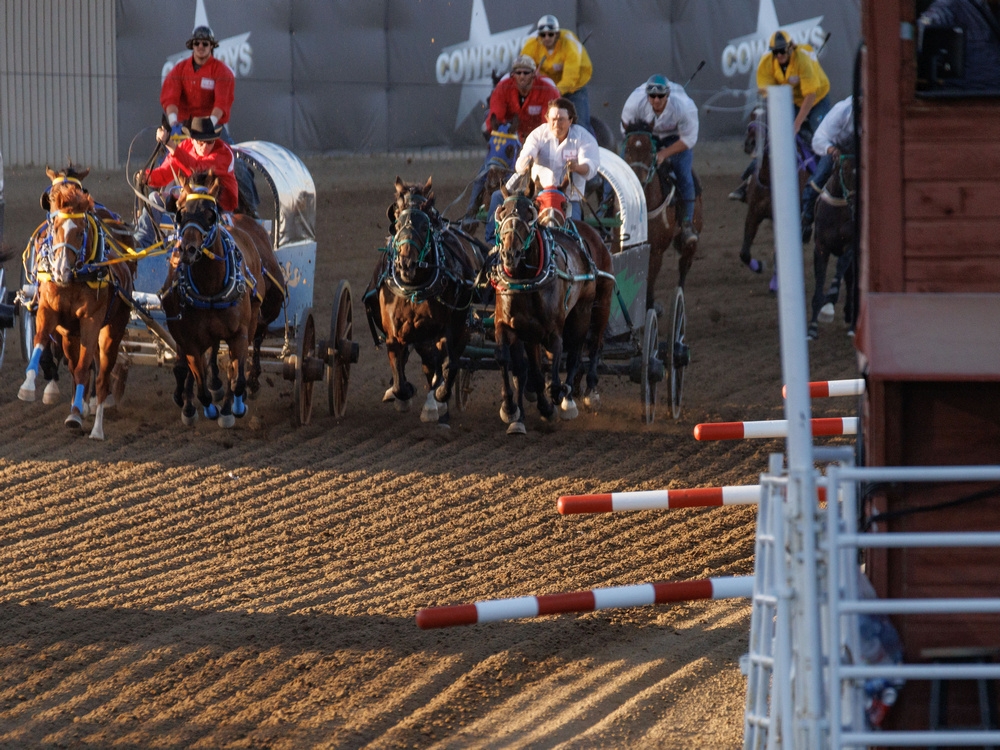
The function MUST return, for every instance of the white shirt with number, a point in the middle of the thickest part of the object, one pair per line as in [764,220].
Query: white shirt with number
[550,157]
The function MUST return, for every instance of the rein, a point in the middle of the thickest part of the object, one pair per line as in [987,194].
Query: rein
[431,255]
[660,212]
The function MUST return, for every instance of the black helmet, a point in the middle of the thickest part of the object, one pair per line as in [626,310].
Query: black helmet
[780,42]
[202,32]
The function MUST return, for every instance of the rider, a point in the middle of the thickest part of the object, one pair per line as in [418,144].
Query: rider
[204,86]
[789,64]
[561,56]
[523,94]
[674,119]
[201,151]
[552,151]
[834,136]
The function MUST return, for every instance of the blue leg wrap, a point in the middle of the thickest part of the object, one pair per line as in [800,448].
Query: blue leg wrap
[239,408]
[36,356]
[78,399]
[211,412]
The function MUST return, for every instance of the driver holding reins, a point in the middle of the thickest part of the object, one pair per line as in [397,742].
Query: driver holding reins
[674,119]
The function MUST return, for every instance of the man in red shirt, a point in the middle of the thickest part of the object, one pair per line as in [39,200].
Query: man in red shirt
[199,86]
[200,152]
[521,97]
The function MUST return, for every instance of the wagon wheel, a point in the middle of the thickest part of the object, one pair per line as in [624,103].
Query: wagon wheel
[27,325]
[305,356]
[652,368]
[680,353]
[463,388]
[341,351]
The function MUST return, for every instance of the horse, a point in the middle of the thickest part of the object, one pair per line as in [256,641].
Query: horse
[222,285]
[759,190]
[554,290]
[834,223]
[420,296]
[663,204]
[85,283]
[503,148]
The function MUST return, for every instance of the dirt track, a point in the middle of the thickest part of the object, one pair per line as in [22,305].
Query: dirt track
[182,587]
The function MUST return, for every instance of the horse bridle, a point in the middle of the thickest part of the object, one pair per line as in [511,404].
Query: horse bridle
[404,220]
[81,253]
[650,165]
[208,234]
[510,224]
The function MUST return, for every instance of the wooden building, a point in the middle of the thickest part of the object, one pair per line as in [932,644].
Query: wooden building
[929,337]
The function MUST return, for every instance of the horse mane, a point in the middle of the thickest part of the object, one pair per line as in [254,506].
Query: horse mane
[69,195]
[637,126]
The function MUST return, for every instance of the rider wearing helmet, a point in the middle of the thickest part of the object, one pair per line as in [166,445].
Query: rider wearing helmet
[674,119]
[833,137]
[563,58]
[200,85]
[789,64]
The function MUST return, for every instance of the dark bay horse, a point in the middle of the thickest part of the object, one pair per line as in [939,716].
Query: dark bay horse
[420,297]
[224,285]
[554,290]
[759,190]
[85,282]
[663,208]
[834,221]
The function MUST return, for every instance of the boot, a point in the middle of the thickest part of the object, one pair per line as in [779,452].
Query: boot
[688,235]
[740,193]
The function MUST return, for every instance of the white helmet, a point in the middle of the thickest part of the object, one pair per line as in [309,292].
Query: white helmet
[547,23]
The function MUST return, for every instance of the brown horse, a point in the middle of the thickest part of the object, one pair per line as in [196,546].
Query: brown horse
[84,293]
[420,296]
[759,189]
[554,290]
[834,236]
[663,209]
[223,285]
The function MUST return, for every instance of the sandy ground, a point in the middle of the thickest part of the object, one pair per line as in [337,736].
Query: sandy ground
[179,587]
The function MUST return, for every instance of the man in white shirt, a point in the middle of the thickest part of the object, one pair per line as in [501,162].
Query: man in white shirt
[833,136]
[552,151]
[673,118]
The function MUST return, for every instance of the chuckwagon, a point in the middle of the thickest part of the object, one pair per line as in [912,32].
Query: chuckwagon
[292,347]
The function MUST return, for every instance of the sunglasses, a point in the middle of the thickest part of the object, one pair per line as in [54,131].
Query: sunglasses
[547,33]
[202,43]
[523,72]
[781,52]
[657,96]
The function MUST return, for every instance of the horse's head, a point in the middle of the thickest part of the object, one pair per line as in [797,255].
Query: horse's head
[639,150]
[756,129]
[410,195]
[197,216]
[504,148]
[413,244]
[69,227]
[516,220]
[70,174]
[552,204]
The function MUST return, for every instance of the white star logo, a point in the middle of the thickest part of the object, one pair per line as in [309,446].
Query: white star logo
[471,62]
[234,51]
[742,54]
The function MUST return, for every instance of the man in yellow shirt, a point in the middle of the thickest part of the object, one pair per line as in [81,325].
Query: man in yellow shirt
[561,56]
[789,64]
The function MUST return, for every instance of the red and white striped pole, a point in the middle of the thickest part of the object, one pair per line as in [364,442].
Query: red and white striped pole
[773,428]
[830,388]
[640,595]
[702,497]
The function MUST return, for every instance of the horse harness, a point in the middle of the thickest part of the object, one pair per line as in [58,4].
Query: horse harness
[237,272]
[652,170]
[839,201]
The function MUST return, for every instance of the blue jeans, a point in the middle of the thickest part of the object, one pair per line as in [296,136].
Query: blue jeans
[496,200]
[681,166]
[145,234]
[581,101]
[824,168]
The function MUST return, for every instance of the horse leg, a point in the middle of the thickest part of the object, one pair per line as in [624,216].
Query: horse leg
[81,357]
[455,344]
[108,345]
[750,227]
[400,390]
[520,367]
[215,386]
[50,369]
[821,257]
[656,250]
[509,350]
[234,405]
[430,362]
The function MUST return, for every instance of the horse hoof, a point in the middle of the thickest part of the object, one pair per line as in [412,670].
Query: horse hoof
[755,265]
[387,396]
[96,434]
[772,285]
[592,401]
[430,411]
[826,313]
[26,394]
[568,409]
[401,405]
[517,428]
[51,393]
[189,418]
[74,420]
[813,332]
[226,421]
[507,416]
[217,394]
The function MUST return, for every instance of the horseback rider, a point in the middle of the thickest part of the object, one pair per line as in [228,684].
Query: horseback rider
[520,96]
[201,151]
[552,151]
[789,64]
[833,137]
[674,119]
[204,86]
[561,56]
